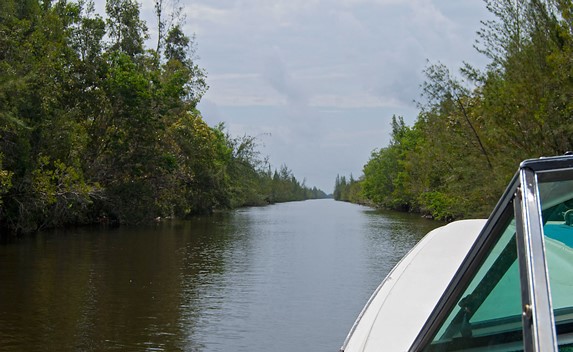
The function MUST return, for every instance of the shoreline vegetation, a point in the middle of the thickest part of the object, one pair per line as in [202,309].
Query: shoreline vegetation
[97,127]
[474,128]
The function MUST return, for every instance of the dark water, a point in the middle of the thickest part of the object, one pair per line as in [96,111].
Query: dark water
[287,277]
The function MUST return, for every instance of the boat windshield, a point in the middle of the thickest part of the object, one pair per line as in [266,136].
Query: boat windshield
[488,315]
[557,204]
[489,311]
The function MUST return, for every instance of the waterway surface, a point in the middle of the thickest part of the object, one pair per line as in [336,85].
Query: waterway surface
[286,277]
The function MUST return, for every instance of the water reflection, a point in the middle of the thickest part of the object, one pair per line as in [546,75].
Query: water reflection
[391,235]
[283,277]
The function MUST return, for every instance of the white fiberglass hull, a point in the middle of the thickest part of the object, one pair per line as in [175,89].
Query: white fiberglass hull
[402,303]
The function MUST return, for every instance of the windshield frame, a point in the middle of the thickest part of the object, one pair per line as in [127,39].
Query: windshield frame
[523,203]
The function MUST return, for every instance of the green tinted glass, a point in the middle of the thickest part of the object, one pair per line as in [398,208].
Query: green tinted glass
[488,314]
[557,209]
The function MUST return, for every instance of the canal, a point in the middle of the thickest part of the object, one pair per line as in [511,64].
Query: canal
[286,277]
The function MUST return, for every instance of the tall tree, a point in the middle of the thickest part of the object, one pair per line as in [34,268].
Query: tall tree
[126,30]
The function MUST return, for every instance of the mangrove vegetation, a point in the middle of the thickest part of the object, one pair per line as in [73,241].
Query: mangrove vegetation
[474,127]
[97,127]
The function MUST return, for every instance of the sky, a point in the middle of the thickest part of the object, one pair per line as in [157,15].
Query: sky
[318,81]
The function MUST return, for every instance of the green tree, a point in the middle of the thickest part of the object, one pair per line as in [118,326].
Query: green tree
[126,30]
[472,130]
[94,131]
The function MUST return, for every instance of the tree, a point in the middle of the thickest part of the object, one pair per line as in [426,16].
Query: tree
[473,130]
[109,132]
[449,95]
[166,21]
[126,30]
[179,53]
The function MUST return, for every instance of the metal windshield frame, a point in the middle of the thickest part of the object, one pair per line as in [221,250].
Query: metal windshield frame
[520,199]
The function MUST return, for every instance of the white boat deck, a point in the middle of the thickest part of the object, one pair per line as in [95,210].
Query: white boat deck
[402,303]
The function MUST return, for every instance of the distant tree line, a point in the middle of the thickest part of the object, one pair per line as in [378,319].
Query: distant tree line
[94,126]
[474,129]
[348,190]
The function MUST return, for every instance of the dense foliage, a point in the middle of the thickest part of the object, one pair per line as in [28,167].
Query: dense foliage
[349,190]
[473,130]
[96,127]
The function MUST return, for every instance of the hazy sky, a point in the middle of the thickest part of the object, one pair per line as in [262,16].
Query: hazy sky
[317,81]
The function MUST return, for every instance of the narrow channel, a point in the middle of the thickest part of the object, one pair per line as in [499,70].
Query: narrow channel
[284,277]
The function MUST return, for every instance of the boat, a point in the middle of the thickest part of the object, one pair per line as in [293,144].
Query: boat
[499,284]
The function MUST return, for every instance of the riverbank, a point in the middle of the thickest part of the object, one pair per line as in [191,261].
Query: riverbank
[111,220]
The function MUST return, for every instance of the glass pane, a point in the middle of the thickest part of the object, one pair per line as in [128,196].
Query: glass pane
[488,314]
[557,210]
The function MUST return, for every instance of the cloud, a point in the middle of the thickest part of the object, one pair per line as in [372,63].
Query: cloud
[323,77]
[275,73]
[199,13]
[343,52]
[354,101]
